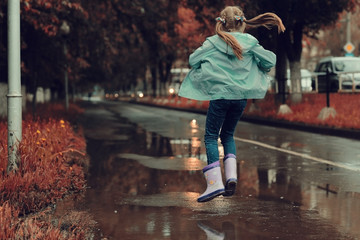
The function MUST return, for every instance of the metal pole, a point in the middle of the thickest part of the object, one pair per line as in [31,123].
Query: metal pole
[328,72]
[348,27]
[283,90]
[14,85]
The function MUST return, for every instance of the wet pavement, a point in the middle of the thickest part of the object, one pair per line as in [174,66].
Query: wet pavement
[145,177]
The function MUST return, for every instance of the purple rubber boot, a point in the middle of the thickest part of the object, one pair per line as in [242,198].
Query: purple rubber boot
[215,186]
[230,174]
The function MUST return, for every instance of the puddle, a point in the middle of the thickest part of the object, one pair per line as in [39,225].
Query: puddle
[166,163]
[143,185]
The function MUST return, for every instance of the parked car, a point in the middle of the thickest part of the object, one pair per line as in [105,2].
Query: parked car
[344,70]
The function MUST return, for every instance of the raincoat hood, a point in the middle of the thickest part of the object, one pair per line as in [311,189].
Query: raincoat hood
[245,40]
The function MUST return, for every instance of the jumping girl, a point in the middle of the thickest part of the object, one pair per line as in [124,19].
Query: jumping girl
[229,68]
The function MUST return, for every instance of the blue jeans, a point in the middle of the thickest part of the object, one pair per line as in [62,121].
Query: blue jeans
[222,114]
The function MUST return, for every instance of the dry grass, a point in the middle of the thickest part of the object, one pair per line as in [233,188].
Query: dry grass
[53,165]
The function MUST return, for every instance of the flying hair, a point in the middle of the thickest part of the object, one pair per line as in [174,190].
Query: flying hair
[232,19]
[266,20]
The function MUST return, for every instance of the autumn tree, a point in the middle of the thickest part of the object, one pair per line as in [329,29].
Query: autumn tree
[94,44]
[205,14]
[42,56]
[155,22]
[300,17]
[3,42]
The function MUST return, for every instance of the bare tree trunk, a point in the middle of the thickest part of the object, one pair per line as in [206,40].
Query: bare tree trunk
[293,43]
[153,70]
[280,75]
[280,70]
[295,78]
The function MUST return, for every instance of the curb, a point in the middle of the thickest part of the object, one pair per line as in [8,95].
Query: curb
[200,107]
[337,132]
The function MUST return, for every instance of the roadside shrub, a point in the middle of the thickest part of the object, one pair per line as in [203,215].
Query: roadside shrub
[347,106]
[53,165]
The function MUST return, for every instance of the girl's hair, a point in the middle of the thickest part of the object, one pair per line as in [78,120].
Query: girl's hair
[232,19]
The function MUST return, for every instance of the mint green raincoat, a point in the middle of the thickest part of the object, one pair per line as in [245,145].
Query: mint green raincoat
[218,74]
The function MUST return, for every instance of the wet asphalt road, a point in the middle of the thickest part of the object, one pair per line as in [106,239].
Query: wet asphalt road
[145,177]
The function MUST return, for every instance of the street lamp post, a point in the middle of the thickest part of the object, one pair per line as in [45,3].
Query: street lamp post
[65,30]
[14,104]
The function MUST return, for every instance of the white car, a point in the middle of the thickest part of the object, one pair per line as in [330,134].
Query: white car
[344,73]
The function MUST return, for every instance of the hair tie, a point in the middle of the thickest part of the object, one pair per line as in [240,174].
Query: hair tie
[220,19]
[242,18]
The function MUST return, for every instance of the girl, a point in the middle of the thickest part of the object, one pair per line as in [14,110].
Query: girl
[229,68]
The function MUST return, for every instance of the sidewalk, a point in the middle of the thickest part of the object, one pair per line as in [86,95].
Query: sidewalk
[189,105]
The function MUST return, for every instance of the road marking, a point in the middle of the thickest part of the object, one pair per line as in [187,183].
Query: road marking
[302,155]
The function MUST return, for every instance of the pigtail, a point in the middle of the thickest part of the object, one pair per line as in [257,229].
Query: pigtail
[229,39]
[266,20]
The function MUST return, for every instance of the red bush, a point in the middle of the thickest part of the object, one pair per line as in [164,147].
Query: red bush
[53,161]
[347,106]
[74,225]
[47,170]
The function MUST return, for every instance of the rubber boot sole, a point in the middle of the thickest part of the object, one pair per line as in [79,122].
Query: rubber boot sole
[211,196]
[230,187]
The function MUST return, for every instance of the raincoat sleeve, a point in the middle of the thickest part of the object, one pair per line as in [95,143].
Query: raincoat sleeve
[197,57]
[265,58]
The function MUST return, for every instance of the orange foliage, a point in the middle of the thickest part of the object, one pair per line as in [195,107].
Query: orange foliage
[73,225]
[52,157]
[53,162]
[188,29]
[345,104]
[44,14]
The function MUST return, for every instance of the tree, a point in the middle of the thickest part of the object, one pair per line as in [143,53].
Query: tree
[108,47]
[205,14]
[154,21]
[185,29]
[3,42]
[42,44]
[301,17]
